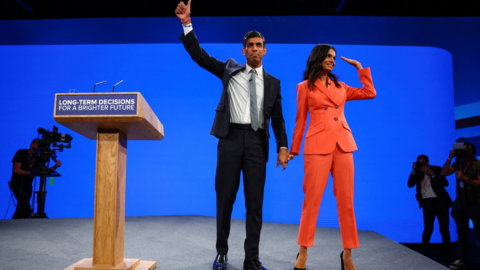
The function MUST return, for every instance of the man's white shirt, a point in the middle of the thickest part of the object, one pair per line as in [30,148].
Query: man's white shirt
[239,92]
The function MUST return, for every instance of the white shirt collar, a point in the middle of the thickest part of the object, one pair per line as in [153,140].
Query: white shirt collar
[259,70]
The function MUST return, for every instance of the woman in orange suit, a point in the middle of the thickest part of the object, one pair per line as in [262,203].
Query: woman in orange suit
[329,147]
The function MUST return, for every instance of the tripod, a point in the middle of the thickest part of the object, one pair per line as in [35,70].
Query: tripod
[43,172]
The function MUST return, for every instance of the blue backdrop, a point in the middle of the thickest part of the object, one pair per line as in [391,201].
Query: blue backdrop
[413,113]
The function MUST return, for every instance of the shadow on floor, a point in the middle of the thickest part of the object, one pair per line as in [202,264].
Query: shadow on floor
[436,254]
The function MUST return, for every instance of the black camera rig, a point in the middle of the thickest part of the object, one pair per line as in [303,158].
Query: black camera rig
[49,143]
[460,148]
[420,164]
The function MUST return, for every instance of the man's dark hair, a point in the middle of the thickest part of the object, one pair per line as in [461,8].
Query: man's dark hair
[314,65]
[253,34]
[424,157]
[35,140]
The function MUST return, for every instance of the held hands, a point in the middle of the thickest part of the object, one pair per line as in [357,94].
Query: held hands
[282,158]
[183,11]
[352,62]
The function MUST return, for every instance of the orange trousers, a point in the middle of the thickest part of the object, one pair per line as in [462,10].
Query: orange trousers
[317,169]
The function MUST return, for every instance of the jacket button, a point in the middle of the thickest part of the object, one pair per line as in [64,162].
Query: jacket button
[336,106]
[336,119]
[326,108]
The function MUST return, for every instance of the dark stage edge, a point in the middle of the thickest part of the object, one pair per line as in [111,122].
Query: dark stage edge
[188,242]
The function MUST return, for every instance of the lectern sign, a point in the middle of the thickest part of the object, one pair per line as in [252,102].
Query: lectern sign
[87,113]
[109,104]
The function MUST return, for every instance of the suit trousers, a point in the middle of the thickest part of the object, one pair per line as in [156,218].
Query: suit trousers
[317,169]
[242,150]
[434,207]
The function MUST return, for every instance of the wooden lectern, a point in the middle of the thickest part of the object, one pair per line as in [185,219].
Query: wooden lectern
[111,119]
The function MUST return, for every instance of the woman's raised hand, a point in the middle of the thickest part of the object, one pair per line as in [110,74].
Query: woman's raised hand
[352,62]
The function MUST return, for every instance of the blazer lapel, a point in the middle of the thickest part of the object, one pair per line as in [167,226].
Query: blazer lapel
[226,79]
[234,70]
[266,91]
[337,94]
[318,84]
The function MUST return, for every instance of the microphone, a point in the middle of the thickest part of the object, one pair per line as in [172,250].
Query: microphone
[97,84]
[116,85]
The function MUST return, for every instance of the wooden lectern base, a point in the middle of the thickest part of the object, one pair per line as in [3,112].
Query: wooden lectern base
[127,264]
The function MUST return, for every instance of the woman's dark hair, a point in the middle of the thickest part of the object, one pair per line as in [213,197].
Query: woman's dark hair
[314,65]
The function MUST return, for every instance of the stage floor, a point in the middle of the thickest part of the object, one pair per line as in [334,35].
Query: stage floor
[188,242]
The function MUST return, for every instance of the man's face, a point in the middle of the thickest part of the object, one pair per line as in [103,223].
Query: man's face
[34,144]
[468,153]
[254,51]
[329,62]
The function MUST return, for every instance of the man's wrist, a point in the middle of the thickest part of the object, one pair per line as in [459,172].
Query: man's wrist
[186,21]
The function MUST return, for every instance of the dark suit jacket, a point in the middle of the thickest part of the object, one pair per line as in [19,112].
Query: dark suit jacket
[225,70]
[439,183]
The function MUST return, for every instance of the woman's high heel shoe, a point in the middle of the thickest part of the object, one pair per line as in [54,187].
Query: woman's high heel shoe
[341,259]
[295,268]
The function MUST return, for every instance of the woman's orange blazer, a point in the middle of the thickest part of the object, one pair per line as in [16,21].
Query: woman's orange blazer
[328,126]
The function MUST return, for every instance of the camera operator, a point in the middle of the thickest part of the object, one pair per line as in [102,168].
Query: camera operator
[434,199]
[24,161]
[467,204]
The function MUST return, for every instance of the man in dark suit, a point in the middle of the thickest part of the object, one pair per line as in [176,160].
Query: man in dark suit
[434,199]
[250,99]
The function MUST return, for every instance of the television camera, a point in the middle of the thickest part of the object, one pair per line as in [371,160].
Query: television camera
[49,143]
[460,149]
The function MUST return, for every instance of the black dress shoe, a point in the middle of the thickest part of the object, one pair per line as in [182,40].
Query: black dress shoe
[220,262]
[341,259]
[253,265]
[295,268]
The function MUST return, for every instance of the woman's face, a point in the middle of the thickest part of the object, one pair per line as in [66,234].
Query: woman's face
[329,62]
